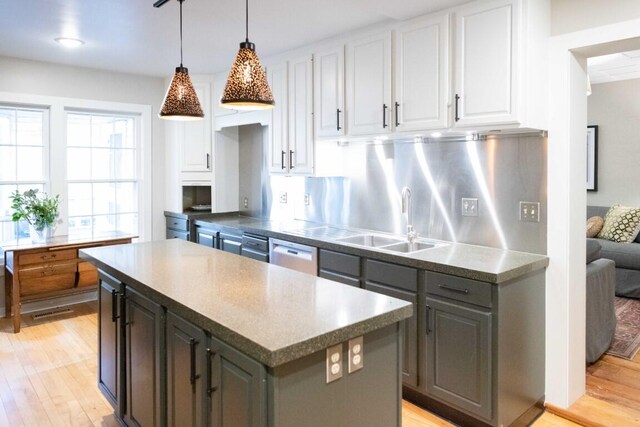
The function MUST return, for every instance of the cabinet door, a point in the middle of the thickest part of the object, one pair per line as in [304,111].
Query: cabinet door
[409,331]
[239,384]
[369,85]
[143,344]
[110,372]
[328,96]
[186,377]
[422,75]
[278,146]
[487,36]
[459,356]
[300,106]
[194,137]
[206,237]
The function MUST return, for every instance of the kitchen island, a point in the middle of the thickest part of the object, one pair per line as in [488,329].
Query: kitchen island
[195,336]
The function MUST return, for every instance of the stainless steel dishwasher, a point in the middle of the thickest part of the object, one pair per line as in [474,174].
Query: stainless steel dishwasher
[294,256]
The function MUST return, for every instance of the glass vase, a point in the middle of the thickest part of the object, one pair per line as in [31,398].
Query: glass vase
[41,235]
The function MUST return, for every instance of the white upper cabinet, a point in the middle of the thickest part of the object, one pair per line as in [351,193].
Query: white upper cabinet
[278,145]
[369,85]
[194,137]
[329,92]
[300,151]
[500,65]
[422,74]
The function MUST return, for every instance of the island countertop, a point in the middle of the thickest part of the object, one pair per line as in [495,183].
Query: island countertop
[270,313]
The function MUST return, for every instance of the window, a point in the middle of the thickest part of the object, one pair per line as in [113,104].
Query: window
[24,141]
[102,173]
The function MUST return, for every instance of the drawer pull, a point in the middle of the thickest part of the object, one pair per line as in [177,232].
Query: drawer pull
[48,257]
[452,289]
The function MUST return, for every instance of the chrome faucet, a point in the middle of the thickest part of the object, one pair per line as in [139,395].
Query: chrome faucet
[406,208]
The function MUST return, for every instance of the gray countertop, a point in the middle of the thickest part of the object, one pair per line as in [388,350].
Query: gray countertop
[270,313]
[470,261]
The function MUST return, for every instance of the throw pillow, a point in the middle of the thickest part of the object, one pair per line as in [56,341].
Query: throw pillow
[621,224]
[594,225]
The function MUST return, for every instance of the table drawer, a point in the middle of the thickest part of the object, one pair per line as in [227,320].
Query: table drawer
[47,256]
[45,284]
[460,289]
[87,274]
[49,269]
[177,224]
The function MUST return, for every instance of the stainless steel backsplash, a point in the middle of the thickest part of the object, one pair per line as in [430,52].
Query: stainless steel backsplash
[499,172]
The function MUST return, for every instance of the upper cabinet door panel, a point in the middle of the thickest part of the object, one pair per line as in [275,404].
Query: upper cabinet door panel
[486,60]
[300,153]
[329,92]
[278,132]
[195,136]
[369,85]
[422,74]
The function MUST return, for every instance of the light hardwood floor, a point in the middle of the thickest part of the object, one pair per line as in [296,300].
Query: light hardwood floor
[48,378]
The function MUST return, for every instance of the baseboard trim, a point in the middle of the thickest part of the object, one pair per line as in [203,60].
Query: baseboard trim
[571,416]
[51,303]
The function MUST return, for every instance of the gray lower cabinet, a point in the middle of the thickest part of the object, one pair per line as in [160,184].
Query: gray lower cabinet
[177,227]
[206,236]
[399,282]
[255,247]
[188,375]
[110,339]
[230,242]
[459,356]
[144,332]
[340,267]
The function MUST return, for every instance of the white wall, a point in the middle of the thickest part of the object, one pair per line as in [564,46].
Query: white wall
[573,15]
[614,107]
[42,78]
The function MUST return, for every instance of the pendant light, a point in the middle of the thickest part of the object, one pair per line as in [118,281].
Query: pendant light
[181,101]
[247,87]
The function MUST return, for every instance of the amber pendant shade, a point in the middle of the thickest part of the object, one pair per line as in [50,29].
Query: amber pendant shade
[181,101]
[247,87]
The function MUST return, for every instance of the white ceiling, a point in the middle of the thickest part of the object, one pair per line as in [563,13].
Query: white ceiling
[614,67]
[133,36]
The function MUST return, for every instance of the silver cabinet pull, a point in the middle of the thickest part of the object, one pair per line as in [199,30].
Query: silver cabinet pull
[452,289]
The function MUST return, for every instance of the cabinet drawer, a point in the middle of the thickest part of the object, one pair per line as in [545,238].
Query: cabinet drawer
[173,234]
[340,263]
[48,256]
[394,275]
[87,274]
[177,224]
[351,281]
[45,284]
[260,256]
[460,289]
[49,269]
[259,244]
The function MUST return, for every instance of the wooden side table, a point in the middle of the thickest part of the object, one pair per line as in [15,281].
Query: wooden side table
[49,270]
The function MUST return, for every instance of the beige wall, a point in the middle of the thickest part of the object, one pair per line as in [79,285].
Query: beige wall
[42,78]
[574,15]
[614,107]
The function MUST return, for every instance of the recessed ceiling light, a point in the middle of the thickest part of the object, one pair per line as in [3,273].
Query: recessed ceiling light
[68,42]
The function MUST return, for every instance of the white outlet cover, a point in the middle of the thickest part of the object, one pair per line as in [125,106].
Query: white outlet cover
[334,363]
[356,354]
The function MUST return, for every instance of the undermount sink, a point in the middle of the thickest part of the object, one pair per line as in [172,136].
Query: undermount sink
[406,247]
[369,240]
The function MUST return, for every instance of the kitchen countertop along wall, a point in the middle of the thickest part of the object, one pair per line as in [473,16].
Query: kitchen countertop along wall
[469,261]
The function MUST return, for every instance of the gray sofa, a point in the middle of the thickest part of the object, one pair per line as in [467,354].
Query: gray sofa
[600,308]
[625,255]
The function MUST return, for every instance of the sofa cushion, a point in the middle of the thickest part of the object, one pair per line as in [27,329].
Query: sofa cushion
[621,224]
[593,250]
[594,225]
[624,255]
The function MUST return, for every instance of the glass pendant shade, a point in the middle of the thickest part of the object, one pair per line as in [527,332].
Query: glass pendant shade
[181,101]
[247,87]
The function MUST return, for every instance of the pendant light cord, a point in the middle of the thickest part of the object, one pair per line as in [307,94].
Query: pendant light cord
[180,1]
[246,21]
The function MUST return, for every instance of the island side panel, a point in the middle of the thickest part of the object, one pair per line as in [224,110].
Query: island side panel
[369,397]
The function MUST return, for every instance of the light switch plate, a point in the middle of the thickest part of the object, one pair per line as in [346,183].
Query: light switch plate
[334,363]
[283,197]
[469,207]
[530,211]
[356,354]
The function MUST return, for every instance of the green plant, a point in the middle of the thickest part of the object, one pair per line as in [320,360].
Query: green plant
[37,208]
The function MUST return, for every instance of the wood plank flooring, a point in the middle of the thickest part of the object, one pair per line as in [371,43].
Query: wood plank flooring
[48,378]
